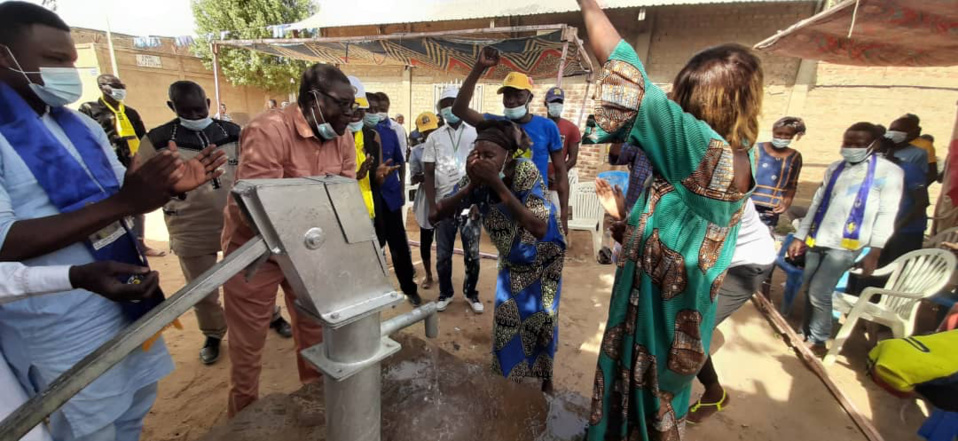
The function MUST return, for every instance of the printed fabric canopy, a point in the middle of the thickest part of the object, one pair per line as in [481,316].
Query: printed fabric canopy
[539,56]
[875,33]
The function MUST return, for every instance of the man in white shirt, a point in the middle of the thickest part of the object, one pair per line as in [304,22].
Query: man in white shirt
[18,281]
[855,207]
[445,154]
[65,199]
[751,264]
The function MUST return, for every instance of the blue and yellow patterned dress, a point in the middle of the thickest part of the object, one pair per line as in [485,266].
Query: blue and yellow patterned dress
[526,324]
[677,246]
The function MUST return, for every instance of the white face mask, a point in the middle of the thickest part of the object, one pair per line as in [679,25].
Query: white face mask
[515,113]
[61,85]
[780,143]
[356,126]
[196,125]
[325,129]
[555,109]
[896,136]
[856,155]
[118,94]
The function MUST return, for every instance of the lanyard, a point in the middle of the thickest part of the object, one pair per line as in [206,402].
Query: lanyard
[455,145]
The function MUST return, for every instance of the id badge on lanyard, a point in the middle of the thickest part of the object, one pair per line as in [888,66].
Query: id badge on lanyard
[117,242]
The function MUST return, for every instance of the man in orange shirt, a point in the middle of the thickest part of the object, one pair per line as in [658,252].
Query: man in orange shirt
[307,138]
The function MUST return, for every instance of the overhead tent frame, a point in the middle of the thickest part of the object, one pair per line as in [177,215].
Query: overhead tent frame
[551,50]
[874,33]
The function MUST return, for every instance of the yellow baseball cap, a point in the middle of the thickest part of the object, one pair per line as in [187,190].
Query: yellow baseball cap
[427,121]
[516,80]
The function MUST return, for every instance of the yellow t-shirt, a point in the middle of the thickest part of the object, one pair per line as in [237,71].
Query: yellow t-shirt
[927,146]
[364,186]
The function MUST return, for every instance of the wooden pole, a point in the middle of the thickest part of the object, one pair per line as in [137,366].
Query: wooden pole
[565,53]
[815,365]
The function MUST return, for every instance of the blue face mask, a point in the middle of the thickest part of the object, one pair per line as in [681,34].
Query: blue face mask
[196,125]
[61,85]
[371,119]
[355,126]
[555,109]
[515,113]
[447,115]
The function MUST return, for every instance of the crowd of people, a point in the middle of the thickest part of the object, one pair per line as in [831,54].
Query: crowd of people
[693,231]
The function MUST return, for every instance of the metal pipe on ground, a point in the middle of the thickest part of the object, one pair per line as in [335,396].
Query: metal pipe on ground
[458,251]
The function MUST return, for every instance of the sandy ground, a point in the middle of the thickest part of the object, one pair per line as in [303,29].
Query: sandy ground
[775,396]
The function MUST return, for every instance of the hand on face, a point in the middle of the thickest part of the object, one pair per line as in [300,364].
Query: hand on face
[483,170]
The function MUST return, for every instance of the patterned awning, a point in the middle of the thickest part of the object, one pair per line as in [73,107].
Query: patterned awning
[875,33]
[539,56]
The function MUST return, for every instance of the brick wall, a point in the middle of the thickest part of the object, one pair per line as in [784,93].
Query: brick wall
[844,95]
[148,86]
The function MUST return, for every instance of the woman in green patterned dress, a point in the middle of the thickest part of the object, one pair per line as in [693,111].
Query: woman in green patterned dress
[677,242]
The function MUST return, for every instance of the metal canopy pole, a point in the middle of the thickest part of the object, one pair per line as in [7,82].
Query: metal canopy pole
[215,49]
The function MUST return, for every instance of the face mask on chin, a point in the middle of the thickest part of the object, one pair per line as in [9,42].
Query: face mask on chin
[196,125]
[324,129]
[356,126]
[61,85]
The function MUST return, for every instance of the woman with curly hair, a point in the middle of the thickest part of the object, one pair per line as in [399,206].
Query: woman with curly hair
[522,223]
[678,241]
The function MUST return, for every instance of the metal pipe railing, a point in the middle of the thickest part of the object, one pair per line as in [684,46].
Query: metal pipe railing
[37,408]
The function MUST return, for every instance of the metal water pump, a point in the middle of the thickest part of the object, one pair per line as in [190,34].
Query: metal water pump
[318,231]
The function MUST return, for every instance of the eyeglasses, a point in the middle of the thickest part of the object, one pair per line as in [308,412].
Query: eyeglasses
[346,106]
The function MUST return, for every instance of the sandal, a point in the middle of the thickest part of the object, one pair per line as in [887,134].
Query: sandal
[720,406]
[426,284]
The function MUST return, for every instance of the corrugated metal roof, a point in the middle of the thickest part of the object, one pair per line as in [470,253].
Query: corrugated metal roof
[338,13]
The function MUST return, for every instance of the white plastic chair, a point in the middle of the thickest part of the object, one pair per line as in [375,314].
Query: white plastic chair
[949,235]
[917,275]
[573,182]
[588,214]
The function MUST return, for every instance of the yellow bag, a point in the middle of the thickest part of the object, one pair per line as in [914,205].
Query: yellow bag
[903,363]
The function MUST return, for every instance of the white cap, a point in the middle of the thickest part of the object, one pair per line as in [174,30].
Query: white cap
[449,92]
[360,91]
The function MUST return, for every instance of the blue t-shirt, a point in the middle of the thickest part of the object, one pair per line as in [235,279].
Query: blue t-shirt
[913,155]
[391,190]
[545,140]
[915,179]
